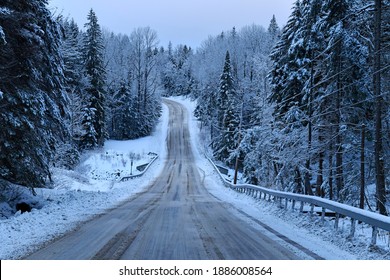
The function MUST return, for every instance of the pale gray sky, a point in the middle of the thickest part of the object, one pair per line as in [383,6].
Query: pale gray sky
[180,21]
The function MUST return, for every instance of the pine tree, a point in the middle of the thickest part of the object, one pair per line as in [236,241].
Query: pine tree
[94,65]
[226,88]
[76,81]
[274,30]
[124,118]
[33,106]
[228,119]
[287,76]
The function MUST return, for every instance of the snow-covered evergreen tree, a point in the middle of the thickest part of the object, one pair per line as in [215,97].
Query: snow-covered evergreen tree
[93,50]
[287,76]
[33,104]
[228,118]
[76,81]
[123,120]
[274,30]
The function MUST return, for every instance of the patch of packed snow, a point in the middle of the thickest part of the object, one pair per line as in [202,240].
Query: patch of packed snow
[307,231]
[77,196]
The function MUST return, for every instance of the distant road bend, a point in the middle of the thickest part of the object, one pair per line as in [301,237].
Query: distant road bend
[175,218]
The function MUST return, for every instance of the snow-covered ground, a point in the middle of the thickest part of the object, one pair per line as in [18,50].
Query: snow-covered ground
[93,188]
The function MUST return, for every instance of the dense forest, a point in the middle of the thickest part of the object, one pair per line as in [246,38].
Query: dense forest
[66,89]
[303,108]
[306,108]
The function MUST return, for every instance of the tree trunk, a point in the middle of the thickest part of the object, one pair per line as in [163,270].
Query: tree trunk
[339,147]
[308,189]
[320,176]
[362,173]
[379,153]
[330,172]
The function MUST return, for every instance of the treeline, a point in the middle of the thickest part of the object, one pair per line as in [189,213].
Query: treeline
[64,90]
[304,109]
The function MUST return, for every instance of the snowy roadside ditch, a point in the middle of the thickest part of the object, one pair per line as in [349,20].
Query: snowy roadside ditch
[77,196]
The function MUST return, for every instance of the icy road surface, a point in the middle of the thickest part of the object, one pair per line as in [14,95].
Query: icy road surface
[175,218]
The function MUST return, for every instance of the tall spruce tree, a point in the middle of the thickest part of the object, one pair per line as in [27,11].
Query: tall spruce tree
[228,119]
[273,30]
[33,106]
[76,82]
[94,114]
[287,76]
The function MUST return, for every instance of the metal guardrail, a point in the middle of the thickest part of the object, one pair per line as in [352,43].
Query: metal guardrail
[376,220]
[126,178]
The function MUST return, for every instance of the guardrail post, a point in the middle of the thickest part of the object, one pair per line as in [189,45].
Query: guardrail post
[323,215]
[374,236]
[293,205]
[286,204]
[353,227]
[311,209]
[336,222]
[301,208]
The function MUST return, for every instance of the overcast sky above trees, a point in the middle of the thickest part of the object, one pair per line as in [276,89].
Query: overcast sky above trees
[182,22]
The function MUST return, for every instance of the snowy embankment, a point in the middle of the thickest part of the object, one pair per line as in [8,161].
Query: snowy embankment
[79,195]
[310,233]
